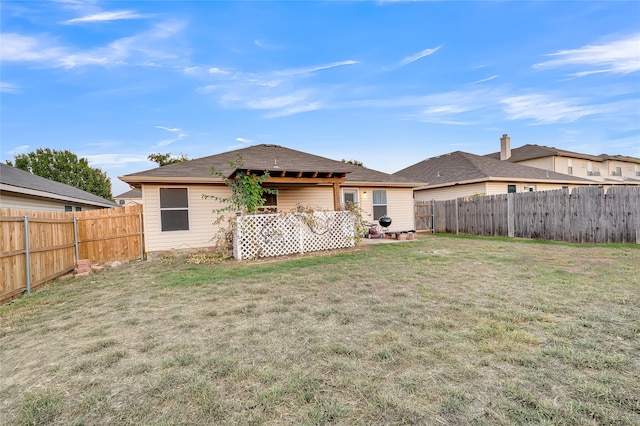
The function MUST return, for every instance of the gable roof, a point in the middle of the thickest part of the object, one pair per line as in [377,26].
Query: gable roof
[532,151]
[22,182]
[620,158]
[132,194]
[461,167]
[265,157]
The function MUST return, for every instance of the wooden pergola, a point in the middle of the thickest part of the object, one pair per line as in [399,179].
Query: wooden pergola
[298,177]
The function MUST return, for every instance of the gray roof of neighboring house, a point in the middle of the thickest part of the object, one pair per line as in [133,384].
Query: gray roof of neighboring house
[132,194]
[30,184]
[264,157]
[619,158]
[461,166]
[532,151]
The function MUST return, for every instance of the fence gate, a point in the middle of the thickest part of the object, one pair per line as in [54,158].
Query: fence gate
[423,211]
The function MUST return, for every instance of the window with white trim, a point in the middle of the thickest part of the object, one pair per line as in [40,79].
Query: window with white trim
[379,203]
[174,209]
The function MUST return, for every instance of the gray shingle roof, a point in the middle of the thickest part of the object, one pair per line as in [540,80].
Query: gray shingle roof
[461,166]
[265,157]
[21,179]
[532,151]
[134,193]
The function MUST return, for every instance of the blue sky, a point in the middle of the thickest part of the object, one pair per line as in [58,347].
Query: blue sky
[388,83]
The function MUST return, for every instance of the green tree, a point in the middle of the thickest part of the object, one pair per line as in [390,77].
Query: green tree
[354,162]
[247,192]
[65,167]
[164,159]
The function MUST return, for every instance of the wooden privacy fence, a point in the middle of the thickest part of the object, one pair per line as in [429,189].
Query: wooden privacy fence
[584,215]
[38,246]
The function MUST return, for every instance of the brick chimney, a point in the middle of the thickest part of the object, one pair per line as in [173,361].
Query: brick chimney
[505,147]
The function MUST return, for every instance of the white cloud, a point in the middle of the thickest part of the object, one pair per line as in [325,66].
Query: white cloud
[545,109]
[107,16]
[171,140]
[6,87]
[417,56]
[21,149]
[493,77]
[277,102]
[216,70]
[619,56]
[145,48]
[191,70]
[168,129]
[244,140]
[273,91]
[179,135]
[114,160]
[264,45]
[19,48]
[295,109]
[309,70]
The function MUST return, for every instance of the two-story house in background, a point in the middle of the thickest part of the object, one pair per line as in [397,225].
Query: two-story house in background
[603,169]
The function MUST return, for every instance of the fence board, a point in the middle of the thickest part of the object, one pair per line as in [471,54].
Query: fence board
[584,215]
[104,235]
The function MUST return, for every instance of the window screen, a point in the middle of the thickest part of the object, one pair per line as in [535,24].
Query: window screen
[511,189]
[379,203]
[174,209]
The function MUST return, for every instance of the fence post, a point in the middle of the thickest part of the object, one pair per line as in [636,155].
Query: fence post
[75,237]
[457,221]
[511,219]
[141,236]
[27,255]
[433,216]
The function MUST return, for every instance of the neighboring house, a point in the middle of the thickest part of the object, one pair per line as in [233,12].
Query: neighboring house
[461,174]
[177,216]
[23,190]
[605,169]
[129,198]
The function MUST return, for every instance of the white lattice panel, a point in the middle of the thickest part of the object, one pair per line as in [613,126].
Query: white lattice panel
[270,235]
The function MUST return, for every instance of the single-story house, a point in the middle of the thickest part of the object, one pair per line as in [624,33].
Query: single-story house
[605,169]
[461,174]
[177,216]
[130,198]
[23,190]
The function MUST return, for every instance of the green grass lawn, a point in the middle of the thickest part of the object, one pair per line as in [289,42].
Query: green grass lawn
[441,330]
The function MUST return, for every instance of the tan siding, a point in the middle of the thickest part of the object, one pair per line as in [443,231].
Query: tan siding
[202,231]
[452,192]
[400,209]
[501,187]
[316,196]
[32,203]
[545,163]
[628,169]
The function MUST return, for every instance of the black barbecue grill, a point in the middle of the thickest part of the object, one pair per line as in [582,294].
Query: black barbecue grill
[384,221]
